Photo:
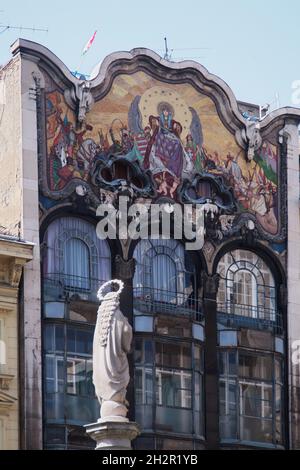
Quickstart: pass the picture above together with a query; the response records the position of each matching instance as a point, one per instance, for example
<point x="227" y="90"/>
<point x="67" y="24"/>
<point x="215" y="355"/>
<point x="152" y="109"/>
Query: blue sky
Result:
<point x="253" y="45"/>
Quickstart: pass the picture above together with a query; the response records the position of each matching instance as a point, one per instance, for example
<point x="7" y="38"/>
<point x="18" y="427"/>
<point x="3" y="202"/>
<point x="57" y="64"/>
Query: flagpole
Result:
<point x="85" y="50"/>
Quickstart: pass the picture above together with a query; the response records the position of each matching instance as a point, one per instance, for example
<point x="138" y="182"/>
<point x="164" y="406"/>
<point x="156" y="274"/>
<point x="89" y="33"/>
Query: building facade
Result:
<point x="13" y="256"/>
<point x="214" y="361"/>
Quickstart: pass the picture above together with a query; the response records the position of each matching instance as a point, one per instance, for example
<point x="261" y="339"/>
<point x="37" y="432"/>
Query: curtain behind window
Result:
<point x="71" y="245"/>
<point x="77" y="264"/>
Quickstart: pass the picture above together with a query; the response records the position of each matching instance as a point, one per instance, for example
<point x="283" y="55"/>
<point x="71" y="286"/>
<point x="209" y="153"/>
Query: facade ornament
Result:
<point x="252" y="139"/>
<point x="112" y="343"/>
<point x="124" y="269"/>
<point x="105" y="174"/>
<point x="208" y="250"/>
<point x="125" y="244"/>
<point x="15" y="272"/>
<point x="81" y="99"/>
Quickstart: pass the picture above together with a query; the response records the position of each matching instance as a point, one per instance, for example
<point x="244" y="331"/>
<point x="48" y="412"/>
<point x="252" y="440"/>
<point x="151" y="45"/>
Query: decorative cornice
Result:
<point x="124" y="269"/>
<point x="15" y="271"/>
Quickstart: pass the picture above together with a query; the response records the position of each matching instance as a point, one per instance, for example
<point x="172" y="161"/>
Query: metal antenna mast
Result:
<point x="5" y="27"/>
<point x="167" y="56"/>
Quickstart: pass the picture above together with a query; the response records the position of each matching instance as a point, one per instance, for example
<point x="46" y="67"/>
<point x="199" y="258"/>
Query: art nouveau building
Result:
<point x="213" y="363"/>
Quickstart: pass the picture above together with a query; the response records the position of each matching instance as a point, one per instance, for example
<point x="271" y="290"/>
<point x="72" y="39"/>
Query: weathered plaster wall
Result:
<point x="19" y="214"/>
<point x="31" y="367"/>
<point x="10" y="146"/>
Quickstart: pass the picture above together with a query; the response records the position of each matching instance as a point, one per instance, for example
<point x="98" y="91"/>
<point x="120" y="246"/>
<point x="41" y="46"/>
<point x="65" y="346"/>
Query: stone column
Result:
<point x="210" y="289"/>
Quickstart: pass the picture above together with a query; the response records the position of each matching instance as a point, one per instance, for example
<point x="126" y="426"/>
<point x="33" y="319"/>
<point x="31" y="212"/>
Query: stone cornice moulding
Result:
<point x="81" y="94"/>
<point x="16" y="249"/>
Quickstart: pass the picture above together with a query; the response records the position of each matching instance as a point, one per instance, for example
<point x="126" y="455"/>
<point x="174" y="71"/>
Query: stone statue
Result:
<point x="112" y="342"/>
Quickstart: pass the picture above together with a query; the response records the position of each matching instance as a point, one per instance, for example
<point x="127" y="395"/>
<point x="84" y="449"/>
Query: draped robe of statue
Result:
<point x="112" y="342"/>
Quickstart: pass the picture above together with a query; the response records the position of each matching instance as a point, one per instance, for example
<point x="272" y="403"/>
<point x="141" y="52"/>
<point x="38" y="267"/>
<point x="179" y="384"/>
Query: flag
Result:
<point x="89" y="43"/>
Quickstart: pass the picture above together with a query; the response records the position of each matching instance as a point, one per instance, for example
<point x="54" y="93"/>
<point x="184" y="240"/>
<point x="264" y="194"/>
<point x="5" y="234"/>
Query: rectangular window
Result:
<point x="174" y="388"/>
<point x="173" y="355"/>
<point x="250" y="402"/>
<point x="255" y="367"/>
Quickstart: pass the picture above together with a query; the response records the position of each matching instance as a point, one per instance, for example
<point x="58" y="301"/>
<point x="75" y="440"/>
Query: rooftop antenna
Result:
<point x="5" y="27"/>
<point x="167" y="55"/>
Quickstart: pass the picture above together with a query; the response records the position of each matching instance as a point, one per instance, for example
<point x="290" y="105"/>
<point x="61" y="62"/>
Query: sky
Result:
<point x="253" y="45"/>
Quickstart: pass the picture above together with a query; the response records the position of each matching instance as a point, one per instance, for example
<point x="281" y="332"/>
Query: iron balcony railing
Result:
<point x="62" y="287"/>
<point x="147" y="300"/>
<point x="250" y="316"/>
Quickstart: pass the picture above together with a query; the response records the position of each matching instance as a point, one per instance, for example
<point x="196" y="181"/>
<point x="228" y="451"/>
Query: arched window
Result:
<point x="75" y="258"/>
<point x="247" y="286"/>
<point x="164" y="271"/>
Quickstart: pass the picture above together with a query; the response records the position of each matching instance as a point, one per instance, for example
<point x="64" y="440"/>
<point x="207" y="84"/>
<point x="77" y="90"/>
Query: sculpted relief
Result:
<point x="169" y="132"/>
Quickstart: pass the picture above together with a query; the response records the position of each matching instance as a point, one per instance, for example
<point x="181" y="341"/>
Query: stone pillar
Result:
<point x="210" y="289"/>
<point x="113" y="435"/>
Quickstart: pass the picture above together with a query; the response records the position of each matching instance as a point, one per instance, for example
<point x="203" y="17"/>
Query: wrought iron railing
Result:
<point x="147" y="300"/>
<point x="251" y="316"/>
<point x="62" y="287"/>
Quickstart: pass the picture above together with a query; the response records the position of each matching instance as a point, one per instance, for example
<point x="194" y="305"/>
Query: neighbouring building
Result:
<point x="14" y="253"/>
<point x="214" y="362"/>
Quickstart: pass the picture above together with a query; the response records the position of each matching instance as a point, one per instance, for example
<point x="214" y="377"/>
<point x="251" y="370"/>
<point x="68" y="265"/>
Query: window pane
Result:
<point x="252" y="366"/>
<point x="232" y="365"/>
<point x="59" y="338"/>
<point x="164" y="277"/>
<point x="148" y="352"/>
<point x="49" y="338"/>
<point x="54" y="309"/>
<point x="138" y="351"/>
<point x="84" y="342"/>
<point x="71" y="340"/>
<point x="143" y="323"/>
<point x="255" y="429"/>
<point x="198" y="362"/>
<point x="278" y="370"/>
<point x="77" y="264"/>
<point x="172" y="326"/>
<point x="173" y="355"/>
<point x="50" y="374"/>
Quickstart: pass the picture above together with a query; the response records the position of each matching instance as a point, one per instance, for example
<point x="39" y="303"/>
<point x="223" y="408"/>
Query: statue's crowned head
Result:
<point x="109" y="303"/>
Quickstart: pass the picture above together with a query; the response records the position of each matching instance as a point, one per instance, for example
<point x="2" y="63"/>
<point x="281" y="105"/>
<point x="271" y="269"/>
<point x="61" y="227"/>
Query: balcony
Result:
<point x="58" y="287"/>
<point x="151" y="301"/>
<point x="249" y="316"/>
